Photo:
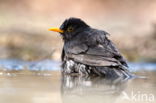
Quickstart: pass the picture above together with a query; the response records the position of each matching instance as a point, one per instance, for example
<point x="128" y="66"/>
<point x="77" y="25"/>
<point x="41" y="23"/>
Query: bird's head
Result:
<point x="70" y="28"/>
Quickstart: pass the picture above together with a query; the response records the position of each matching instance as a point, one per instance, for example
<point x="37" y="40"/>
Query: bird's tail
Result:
<point x="113" y="72"/>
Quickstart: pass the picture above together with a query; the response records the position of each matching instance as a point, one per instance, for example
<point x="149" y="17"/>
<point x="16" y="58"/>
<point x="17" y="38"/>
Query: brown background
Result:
<point x="24" y="26"/>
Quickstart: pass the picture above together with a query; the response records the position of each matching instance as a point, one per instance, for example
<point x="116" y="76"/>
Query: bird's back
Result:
<point x="91" y="53"/>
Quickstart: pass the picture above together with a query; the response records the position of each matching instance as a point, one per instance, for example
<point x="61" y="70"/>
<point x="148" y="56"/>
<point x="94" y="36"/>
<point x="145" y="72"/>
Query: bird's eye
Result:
<point x="70" y="29"/>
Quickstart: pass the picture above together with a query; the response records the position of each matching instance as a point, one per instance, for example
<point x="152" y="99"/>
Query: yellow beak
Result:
<point x="56" y="30"/>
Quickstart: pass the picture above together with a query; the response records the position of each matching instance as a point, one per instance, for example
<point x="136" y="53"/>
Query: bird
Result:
<point x="89" y="52"/>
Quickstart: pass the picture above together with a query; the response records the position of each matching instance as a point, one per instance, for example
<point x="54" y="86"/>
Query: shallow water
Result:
<point x="41" y="82"/>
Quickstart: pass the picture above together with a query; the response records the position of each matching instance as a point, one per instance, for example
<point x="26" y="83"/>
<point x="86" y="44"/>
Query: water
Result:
<point x="42" y="82"/>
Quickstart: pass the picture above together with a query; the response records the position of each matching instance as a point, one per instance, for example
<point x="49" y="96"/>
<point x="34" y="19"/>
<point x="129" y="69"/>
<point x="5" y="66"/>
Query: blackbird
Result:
<point x="88" y="51"/>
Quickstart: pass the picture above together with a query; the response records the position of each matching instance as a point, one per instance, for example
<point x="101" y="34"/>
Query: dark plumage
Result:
<point x="88" y="51"/>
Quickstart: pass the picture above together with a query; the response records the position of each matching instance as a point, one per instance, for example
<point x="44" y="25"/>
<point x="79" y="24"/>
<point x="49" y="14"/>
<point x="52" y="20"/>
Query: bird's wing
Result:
<point x="108" y="50"/>
<point x="97" y="50"/>
<point x="93" y="60"/>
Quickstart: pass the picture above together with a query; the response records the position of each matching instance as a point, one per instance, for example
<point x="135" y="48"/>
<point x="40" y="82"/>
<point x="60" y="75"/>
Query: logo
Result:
<point x="139" y="96"/>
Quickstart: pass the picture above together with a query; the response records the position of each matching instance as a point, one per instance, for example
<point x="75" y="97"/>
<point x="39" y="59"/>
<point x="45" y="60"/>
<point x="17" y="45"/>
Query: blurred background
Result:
<point x="30" y="54"/>
<point x="24" y="26"/>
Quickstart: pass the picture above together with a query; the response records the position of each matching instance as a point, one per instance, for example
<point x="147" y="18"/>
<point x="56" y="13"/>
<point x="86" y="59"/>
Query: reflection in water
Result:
<point x="25" y="87"/>
<point x="37" y="82"/>
<point x="91" y="89"/>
